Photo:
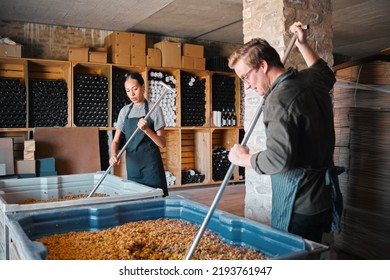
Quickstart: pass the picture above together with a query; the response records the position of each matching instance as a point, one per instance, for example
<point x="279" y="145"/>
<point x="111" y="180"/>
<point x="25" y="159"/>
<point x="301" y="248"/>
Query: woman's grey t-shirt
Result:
<point x="138" y="111"/>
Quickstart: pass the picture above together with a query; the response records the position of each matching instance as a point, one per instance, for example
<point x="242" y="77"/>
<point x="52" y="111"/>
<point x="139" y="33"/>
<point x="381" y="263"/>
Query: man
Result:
<point x="298" y="117"/>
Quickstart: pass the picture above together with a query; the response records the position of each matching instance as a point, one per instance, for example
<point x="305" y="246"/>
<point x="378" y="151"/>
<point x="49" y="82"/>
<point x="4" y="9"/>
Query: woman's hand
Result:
<point x="143" y="124"/>
<point x="114" y="160"/>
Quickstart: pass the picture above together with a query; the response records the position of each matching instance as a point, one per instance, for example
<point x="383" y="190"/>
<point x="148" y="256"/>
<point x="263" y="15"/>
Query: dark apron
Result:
<point x="143" y="159"/>
<point x="285" y="185"/>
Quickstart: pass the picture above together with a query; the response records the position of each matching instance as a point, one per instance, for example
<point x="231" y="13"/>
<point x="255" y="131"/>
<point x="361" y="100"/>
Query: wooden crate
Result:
<point x="53" y="70"/>
<point x="206" y="76"/>
<point x="171" y="154"/>
<point x="226" y="138"/>
<point x="238" y="98"/>
<point x="195" y="155"/>
<point x="171" y="73"/>
<point x="94" y="69"/>
<point x="13" y="68"/>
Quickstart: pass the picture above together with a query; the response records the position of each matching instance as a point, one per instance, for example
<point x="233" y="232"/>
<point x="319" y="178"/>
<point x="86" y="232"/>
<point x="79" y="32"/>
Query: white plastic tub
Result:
<point x="14" y="191"/>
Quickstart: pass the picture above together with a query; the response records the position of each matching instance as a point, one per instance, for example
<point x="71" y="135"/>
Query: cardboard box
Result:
<point x="7" y="155"/>
<point x="118" y="43"/>
<point x="28" y="155"/>
<point x="199" y="63"/>
<point x="99" y="57"/>
<point x="170" y="53"/>
<point x="13" y="191"/>
<point x="138" y="49"/>
<point x="119" y="38"/>
<point x="193" y="50"/>
<point x="153" y="58"/>
<point x="138" y="44"/>
<point x="120" y="49"/>
<point x="46" y="165"/>
<point x="29" y="145"/>
<point x="138" y="60"/>
<point x="25" y="167"/>
<point x="120" y="58"/>
<point x="78" y="54"/>
<point x="11" y="50"/>
<point x="187" y="62"/>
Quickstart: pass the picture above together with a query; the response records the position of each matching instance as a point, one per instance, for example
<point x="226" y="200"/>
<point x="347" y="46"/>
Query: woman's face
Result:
<point x="135" y="91"/>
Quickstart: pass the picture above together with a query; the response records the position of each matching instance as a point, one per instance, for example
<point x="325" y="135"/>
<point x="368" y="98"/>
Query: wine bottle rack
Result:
<point x="71" y="94"/>
<point x="13" y="103"/>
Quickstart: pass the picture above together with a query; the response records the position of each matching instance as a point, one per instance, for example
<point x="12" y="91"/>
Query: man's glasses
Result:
<point x="245" y="78"/>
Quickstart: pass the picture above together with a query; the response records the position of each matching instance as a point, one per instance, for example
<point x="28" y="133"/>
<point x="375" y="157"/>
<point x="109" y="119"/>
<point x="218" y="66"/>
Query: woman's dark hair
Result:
<point x="135" y="76"/>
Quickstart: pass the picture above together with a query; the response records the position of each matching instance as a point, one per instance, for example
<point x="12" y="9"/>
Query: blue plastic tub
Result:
<point x="235" y="230"/>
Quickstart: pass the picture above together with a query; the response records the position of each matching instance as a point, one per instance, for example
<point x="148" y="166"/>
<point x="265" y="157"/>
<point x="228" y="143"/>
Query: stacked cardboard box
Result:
<point x="27" y="167"/>
<point x="126" y="48"/>
<point x="193" y="57"/>
<point x="29" y="150"/>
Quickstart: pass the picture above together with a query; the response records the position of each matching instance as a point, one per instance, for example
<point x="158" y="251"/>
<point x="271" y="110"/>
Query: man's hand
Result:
<point x="239" y="155"/>
<point x="296" y="28"/>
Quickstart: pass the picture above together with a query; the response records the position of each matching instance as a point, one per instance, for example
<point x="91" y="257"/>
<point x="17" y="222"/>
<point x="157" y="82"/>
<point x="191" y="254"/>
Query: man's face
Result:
<point x="252" y="78"/>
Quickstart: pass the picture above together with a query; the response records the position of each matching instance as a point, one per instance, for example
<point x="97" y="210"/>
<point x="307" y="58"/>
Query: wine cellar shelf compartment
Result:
<point x="203" y="116"/>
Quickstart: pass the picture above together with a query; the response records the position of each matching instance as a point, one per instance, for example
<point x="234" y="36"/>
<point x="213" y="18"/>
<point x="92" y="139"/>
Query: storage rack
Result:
<point x="188" y="147"/>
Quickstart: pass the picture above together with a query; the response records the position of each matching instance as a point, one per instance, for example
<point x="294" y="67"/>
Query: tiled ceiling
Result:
<point x="361" y="27"/>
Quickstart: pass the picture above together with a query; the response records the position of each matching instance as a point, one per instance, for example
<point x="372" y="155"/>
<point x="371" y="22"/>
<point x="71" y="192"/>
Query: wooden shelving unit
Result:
<point x="188" y="147"/>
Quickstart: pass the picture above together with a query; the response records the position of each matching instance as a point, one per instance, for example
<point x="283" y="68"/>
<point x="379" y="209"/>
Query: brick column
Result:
<point x="270" y="19"/>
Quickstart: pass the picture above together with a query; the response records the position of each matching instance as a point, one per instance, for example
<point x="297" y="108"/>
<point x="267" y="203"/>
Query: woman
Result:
<point x="143" y="159"/>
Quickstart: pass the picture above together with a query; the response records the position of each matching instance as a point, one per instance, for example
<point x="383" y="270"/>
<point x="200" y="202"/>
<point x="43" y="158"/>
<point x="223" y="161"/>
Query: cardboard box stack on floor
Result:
<point x="27" y="167"/>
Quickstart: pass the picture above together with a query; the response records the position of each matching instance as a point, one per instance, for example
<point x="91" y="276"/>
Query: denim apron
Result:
<point x="143" y="159"/>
